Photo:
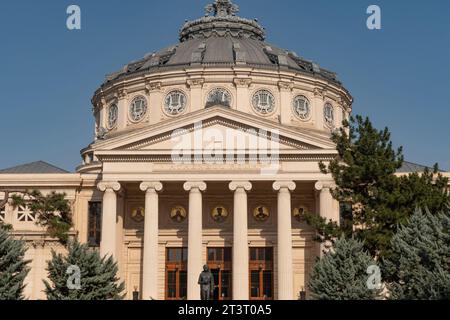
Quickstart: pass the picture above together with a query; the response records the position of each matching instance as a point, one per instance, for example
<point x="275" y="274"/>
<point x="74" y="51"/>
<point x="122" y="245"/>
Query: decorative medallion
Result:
<point x="328" y="114"/>
<point x="263" y="102"/>
<point x="219" y="214"/>
<point x="178" y="214"/>
<point x="261" y="213"/>
<point x="138" y="108"/>
<point x="175" y="103"/>
<point x="299" y="212"/>
<point x="302" y="108"/>
<point x="113" y="113"/>
<point x="138" y="214"/>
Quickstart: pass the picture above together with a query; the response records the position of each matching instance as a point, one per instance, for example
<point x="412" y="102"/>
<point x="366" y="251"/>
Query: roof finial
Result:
<point x="222" y="8"/>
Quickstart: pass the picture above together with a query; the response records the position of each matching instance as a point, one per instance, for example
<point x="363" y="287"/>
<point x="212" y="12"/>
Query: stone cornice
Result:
<point x="39" y="180"/>
<point x="160" y="79"/>
<point x="161" y="158"/>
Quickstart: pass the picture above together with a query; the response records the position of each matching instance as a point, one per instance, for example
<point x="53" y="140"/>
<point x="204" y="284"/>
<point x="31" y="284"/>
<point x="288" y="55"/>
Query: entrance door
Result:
<point x="219" y="262"/>
<point x="261" y="274"/>
<point x="176" y="273"/>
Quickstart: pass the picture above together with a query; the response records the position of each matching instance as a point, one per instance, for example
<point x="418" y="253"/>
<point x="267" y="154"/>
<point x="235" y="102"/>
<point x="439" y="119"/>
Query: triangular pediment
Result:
<point x="215" y="129"/>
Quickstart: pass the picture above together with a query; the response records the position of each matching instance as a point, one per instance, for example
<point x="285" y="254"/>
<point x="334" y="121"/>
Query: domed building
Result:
<point x="206" y="152"/>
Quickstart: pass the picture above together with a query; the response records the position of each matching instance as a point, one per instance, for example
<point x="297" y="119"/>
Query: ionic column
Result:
<point x="240" y="240"/>
<point x="109" y="216"/>
<point x="327" y="209"/>
<point x="151" y="233"/>
<point x="284" y="243"/>
<point x="195" y="231"/>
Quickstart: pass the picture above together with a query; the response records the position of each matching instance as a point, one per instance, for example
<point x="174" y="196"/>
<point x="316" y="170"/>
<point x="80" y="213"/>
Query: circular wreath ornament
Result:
<point x="328" y="114"/>
<point x="138" y="108"/>
<point x="263" y="102"/>
<point x="219" y="214"/>
<point x="299" y="213"/>
<point x="302" y="108"/>
<point x="138" y="214"/>
<point x="175" y="103"/>
<point x="178" y="214"/>
<point x="261" y="213"/>
<point x="113" y="114"/>
<point x="219" y="97"/>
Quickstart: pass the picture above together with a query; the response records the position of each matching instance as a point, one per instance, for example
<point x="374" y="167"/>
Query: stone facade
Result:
<point x="172" y="168"/>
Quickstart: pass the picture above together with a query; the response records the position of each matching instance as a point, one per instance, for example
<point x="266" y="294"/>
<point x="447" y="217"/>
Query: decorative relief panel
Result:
<point x="178" y="214"/>
<point x="24" y="214"/>
<point x="135" y="215"/>
<point x="299" y="212"/>
<point x="219" y="214"/>
<point x="138" y="214"/>
<point x="261" y="213"/>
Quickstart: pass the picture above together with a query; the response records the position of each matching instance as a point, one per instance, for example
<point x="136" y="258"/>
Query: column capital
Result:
<point x="188" y="186"/>
<point x="321" y="185"/>
<point x="246" y="185"/>
<point x="151" y="185"/>
<point x="278" y="185"/>
<point x="242" y="82"/>
<point x="108" y="185"/>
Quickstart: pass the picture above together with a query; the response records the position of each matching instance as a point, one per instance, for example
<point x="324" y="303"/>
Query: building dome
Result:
<point x="220" y="61"/>
<point x="221" y="39"/>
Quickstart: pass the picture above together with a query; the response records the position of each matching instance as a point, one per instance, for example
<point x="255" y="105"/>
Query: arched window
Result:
<point x="219" y="97"/>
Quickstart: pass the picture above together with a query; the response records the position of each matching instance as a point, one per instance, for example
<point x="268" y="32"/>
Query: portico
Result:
<point x="240" y="231"/>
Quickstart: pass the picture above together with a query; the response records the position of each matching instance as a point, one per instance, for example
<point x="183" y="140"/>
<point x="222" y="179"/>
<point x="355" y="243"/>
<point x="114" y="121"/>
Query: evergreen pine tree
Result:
<point x="380" y="201"/>
<point x="420" y="260"/>
<point x="98" y="276"/>
<point x="342" y="273"/>
<point x="13" y="267"/>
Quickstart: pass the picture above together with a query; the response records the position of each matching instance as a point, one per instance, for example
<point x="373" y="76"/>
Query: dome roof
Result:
<point x="222" y="39"/>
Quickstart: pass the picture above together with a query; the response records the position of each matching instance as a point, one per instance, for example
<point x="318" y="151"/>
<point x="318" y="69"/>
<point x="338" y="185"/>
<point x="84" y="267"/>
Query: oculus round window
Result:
<point x="138" y="109"/>
<point x="302" y="108"/>
<point x="175" y="103"/>
<point x="219" y="97"/>
<point x="113" y="112"/>
<point x="328" y="114"/>
<point x="263" y="102"/>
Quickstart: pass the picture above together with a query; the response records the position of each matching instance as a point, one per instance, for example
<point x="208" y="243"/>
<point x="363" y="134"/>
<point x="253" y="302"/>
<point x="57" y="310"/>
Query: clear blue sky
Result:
<point x="399" y="76"/>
